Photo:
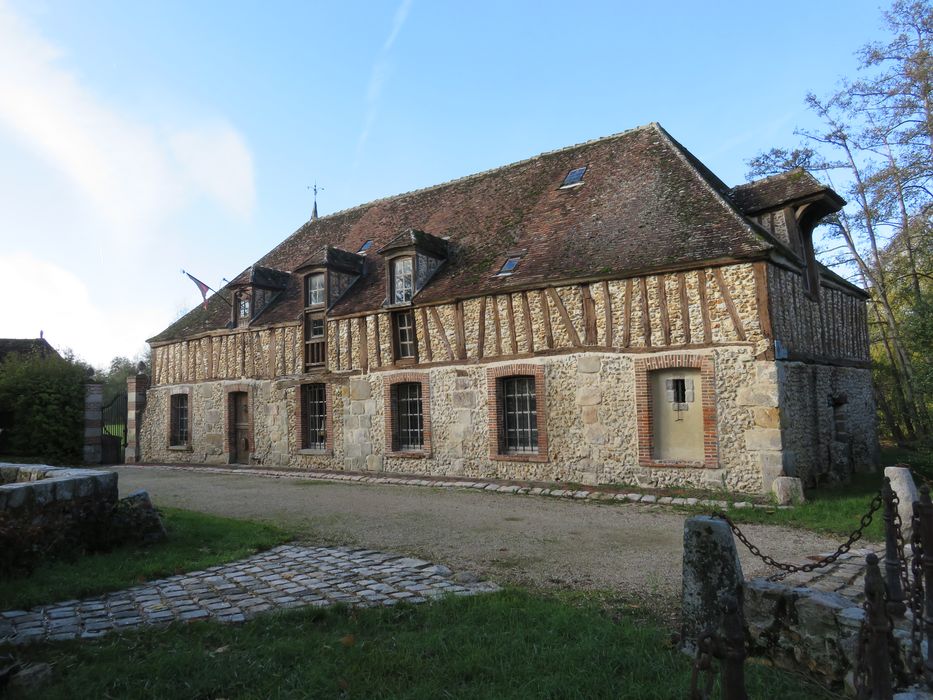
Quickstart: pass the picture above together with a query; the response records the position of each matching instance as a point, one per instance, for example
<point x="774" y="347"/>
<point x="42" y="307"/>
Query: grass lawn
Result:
<point x="511" y="644"/>
<point x="195" y="541"/>
<point x="837" y="510"/>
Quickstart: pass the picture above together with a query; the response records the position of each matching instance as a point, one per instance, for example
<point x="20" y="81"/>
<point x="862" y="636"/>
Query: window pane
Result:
<point x="405" y="334"/>
<point x="409" y="421"/>
<point x="519" y="413"/>
<point x="316" y="289"/>
<point x="315" y="342"/>
<point x="402" y="286"/>
<point x="179" y="420"/>
<point x="314" y="408"/>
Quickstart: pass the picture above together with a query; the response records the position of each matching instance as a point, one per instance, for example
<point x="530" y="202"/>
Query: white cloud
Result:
<point x="52" y="300"/>
<point x="100" y="207"/>
<point x="134" y="174"/>
<point x="379" y="77"/>
<point x="217" y="161"/>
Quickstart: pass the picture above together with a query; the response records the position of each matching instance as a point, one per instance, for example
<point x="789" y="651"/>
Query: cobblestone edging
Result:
<point x="605" y="495"/>
<point x="288" y="576"/>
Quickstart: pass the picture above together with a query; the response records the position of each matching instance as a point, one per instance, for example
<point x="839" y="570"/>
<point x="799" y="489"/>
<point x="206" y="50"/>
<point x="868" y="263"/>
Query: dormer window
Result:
<point x="402" y="281"/>
<point x="574" y="178"/>
<point x="243" y="308"/>
<point x="316" y="290"/>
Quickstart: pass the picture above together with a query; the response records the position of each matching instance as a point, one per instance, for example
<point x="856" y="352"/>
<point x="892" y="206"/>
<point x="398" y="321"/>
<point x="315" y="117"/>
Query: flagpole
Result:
<point x="184" y="272"/>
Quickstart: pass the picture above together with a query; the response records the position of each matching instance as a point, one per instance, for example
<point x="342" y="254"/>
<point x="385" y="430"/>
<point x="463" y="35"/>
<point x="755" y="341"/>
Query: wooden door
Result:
<point x="240" y="432"/>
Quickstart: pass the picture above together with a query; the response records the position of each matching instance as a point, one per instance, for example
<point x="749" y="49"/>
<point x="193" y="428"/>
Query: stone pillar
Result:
<point x="712" y="575"/>
<point x="135" y="403"/>
<point x="93" y="400"/>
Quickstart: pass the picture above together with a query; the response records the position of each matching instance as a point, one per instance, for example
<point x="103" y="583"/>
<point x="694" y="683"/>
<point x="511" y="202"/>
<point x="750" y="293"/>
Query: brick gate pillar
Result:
<point x="135" y="403"/>
<point x="93" y="400"/>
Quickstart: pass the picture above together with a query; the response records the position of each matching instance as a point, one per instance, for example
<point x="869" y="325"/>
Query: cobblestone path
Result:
<point x="284" y="577"/>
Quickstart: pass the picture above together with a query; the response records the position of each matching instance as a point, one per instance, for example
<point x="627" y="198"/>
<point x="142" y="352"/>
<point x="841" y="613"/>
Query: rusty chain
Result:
<point x="703" y="665"/>
<point x="786" y="568"/>
<point x="916" y="599"/>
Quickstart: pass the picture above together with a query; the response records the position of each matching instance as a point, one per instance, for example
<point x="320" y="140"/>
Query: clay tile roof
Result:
<point x="645" y="204"/>
<point x="777" y="190"/>
<point x="26" y="346"/>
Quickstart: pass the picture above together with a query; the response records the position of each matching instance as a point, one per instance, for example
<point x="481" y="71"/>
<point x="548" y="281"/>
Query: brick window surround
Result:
<point x="643" y="401"/>
<point x="400" y="378"/>
<point x="230" y="418"/>
<point x="185" y="447"/>
<point x="496" y="418"/>
<point x="300" y="426"/>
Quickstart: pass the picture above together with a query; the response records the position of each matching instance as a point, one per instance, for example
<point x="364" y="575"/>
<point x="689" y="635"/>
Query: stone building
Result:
<point x="606" y="313"/>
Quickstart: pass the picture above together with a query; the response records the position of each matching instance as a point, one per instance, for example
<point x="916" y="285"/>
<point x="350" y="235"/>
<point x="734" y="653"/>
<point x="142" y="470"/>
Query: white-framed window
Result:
<point x="316" y="294"/>
<point x="403" y="285"/>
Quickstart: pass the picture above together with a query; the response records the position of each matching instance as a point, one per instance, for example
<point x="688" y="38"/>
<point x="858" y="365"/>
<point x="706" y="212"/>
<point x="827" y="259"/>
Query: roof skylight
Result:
<point x="508" y="267"/>
<point x="366" y="246"/>
<point x="574" y="177"/>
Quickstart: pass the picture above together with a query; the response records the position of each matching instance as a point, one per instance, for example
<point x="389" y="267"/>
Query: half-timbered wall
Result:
<point x="831" y="327"/>
<point x="693" y="309"/>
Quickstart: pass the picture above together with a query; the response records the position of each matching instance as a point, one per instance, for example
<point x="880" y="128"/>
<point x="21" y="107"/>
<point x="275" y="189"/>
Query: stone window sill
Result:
<point x="673" y="464"/>
<point x="410" y="454"/>
<point x="520" y="457"/>
<point x="317" y="453"/>
<point x="180" y="448"/>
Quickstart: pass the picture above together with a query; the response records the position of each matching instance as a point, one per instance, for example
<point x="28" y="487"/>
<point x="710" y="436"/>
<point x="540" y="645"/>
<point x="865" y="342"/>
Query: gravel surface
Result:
<point x="632" y="549"/>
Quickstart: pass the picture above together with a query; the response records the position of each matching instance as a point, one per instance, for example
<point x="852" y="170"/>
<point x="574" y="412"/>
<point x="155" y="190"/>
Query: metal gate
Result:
<point x="113" y="431"/>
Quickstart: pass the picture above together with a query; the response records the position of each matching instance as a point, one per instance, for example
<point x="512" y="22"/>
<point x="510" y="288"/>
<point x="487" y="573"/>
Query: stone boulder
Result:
<point x="139" y="517"/>
<point x="787" y="490"/>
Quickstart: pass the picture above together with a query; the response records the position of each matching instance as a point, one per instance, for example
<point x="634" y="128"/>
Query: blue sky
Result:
<point x="137" y="139"/>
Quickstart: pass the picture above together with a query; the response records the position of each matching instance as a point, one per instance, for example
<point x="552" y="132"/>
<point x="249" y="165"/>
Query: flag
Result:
<point x="201" y="286"/>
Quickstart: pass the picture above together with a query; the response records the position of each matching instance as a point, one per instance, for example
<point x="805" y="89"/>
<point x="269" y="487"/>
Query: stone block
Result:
<point x="590" y="414"/>
<point x="787" y="490"/>
<point x="352" y="422"/>
<point x="43" y="492"/>
<point x="374" y="463"/>
<point x="357" y="408"/>
<point x="767" y="417"/>
<point x="589" y="364"/>
<point x="366" y="422"/>
<point x="65" y="489"/>
<point x="212" y="416"/>
<point x="463" y="399"/>
<point x="596" y="434"/>
<point x="360" y="390"/>
<point x="589" y="396"/>
<point x="757" y="396"/>
<point x="464" y="384"/>
<point x="763" y="439"/>
<point x="902" y="481"/>
<point x="712" y="574"/>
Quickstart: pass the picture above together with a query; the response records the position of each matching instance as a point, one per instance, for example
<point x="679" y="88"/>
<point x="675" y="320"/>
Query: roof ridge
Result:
<point x="481" y="173"/>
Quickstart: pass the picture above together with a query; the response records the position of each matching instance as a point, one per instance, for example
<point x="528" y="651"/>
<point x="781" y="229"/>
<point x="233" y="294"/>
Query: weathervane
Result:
<point x="315" y="189"/>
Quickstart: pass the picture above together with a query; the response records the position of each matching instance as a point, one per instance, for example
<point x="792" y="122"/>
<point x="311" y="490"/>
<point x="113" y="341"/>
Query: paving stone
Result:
<point x="284" y="577"/>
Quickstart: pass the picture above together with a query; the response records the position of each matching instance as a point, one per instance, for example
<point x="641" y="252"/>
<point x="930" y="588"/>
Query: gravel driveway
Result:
<point x="633" y="549"/>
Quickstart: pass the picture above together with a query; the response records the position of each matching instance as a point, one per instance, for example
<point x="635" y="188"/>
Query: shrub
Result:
<point x="42" y="408"/>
